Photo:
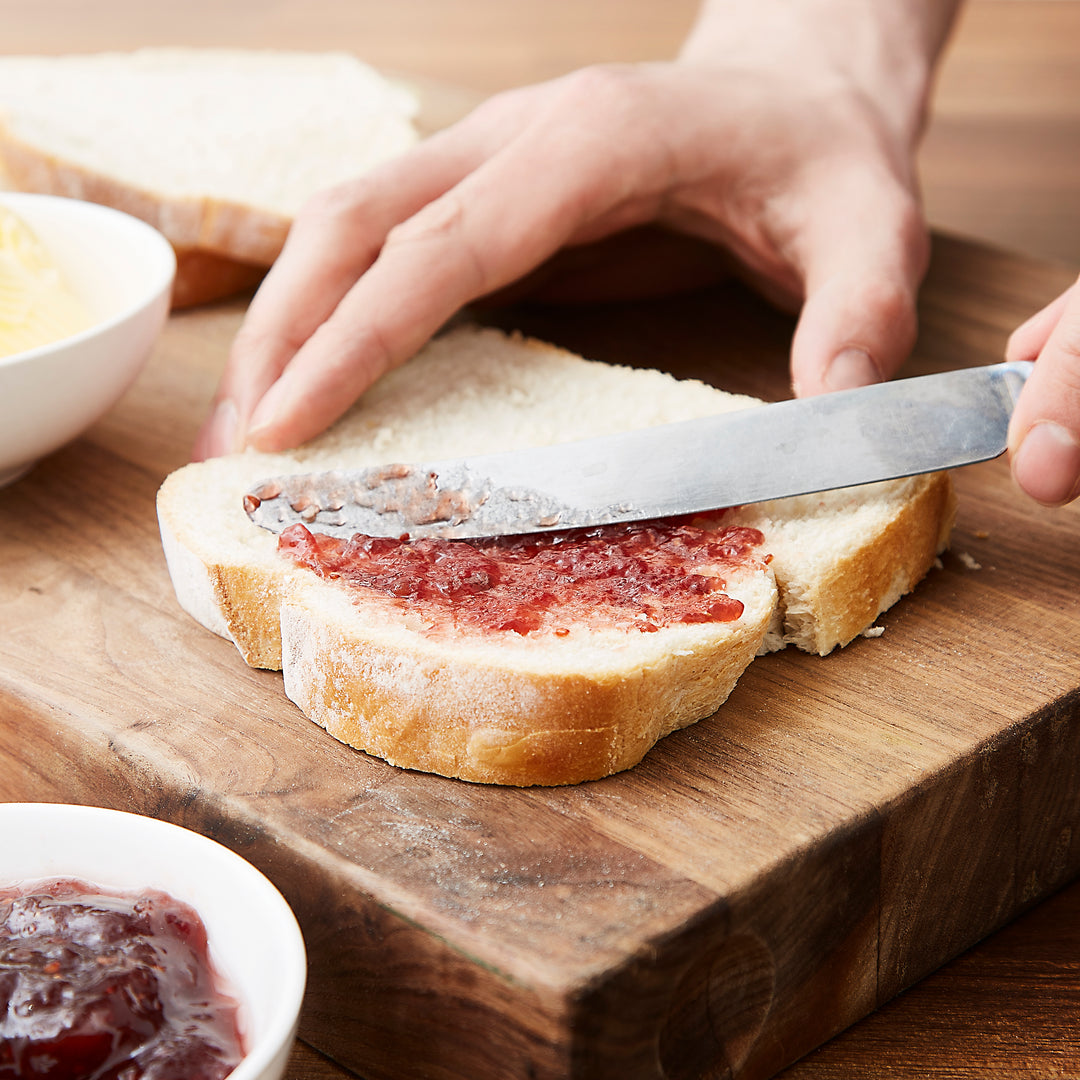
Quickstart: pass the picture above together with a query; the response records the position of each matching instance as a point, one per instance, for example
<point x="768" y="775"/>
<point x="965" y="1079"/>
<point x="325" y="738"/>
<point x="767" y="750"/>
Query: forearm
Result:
<point x="887" y="48"/>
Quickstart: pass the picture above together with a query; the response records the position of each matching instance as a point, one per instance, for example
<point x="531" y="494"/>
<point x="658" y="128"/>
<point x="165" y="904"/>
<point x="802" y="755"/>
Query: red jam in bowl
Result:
<point x="640" y="576"/>
<point x="108" y="986"/>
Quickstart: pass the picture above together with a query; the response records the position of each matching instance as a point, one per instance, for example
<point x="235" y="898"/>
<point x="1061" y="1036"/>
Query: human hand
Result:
<point x="765" y="137"/>
<point x="1044" y="435"/>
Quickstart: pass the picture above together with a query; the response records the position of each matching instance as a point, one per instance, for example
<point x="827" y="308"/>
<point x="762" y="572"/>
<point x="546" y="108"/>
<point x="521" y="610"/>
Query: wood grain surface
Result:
<point x="108" y="695"/>
<point x="760" y="882"/>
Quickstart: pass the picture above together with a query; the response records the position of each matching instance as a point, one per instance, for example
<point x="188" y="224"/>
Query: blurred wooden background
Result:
<point x="1001" y="160"/>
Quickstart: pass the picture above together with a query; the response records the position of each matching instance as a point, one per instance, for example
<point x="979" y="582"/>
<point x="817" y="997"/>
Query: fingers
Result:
<point x="333" y="241"/>
<point x="1028" y="339"/>
<point x="321" y="258"/>
<point x="510" y="213"/>
<point x="864" y="254"/>
<point x="1044" y="436"/>
<point x="330" y="245"/>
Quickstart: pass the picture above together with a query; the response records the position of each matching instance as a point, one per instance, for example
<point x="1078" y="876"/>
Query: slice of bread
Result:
<point x="843" y="557"/>
<point x="539" y="707"/>
<point x="217" y="148"/>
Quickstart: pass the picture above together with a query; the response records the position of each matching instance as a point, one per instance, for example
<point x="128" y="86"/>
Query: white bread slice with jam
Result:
<point x="216" y="148"/>
<point x="579" y="697"/>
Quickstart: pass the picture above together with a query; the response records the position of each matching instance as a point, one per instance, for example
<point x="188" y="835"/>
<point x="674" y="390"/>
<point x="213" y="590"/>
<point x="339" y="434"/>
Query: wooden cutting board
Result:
<point x="763" y="879"/>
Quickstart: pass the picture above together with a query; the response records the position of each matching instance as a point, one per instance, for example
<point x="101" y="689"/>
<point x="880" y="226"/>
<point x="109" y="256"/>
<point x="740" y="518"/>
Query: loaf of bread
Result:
<point x="217" y="148"/>
<point x="573" y="700"/>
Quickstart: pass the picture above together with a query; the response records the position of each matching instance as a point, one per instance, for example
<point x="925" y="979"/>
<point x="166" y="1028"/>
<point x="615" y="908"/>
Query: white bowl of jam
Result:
<point x="132" y="947"/>
<point x="84" y="293"/>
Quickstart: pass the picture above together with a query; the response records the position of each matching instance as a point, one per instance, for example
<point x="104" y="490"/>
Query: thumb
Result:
<point x="862" y="265"/>
<point x="1044" y="435"/>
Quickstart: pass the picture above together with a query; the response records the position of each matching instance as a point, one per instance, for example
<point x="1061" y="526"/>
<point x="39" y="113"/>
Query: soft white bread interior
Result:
<point x="533" y="708"/>
<point x="217" y="148"/>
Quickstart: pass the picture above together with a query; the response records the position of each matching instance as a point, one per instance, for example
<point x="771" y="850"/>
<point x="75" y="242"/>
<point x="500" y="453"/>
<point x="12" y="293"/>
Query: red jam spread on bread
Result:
<point x="103" y="986"/>
<point x="641" y="576"/>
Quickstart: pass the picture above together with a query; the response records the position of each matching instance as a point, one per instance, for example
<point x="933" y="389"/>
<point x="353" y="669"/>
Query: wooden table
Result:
<point x="109" y="694"/>
<point x="1009" y="1005"/>
<point x="836" y="832"/>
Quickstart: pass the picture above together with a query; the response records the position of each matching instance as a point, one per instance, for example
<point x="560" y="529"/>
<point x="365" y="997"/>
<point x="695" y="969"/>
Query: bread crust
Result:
<point x="871" y="581"/>
<point x="245" y="233"/>
<point x="204" y="276"/>
<point x="222" y="248"/>
<point x="489" y="715"/>
<point x="822" y="613"/>
<point x="237" y="600"/>
<point x="523" y="713"/>
<point x="216" y="148"/>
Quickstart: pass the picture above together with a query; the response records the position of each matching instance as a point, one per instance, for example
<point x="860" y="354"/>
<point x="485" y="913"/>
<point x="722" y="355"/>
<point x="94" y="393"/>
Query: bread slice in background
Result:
<point x="534" y="708"/>
<point x="217" y="148"/>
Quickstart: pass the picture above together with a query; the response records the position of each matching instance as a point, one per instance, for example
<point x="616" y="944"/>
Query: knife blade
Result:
<point x="797" y="447"/>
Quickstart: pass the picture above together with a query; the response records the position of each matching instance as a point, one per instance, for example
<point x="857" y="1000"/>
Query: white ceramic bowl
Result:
<point x="123" y="270"/>
<point x="254" y="940"/>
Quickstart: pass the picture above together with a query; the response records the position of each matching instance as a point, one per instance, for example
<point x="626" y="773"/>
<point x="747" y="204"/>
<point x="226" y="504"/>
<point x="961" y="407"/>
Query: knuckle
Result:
<point x="1069" y="340"/>
<point x="912" y="233"/>
<point x="1017" y="346"/>
<point x="498" y="108"/>
<point x="1061" y="372"/>
<point x="1053" y="392"/>
<point x="332" y="204"/>
<point x="440" y="232"/>
<point x="1070" y="368"/>
<point x="895" y="301"/>
<point x="891" y="302"/>
<point x="347" y="352"/>
<point x="260" y="342"/>
<point x="439" y="222"/>
<point x="610" y="127"/>
<point x="606" y="87"/>
<point x="1061" y="350"/>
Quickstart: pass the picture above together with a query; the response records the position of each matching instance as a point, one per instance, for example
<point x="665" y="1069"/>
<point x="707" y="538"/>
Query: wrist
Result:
<point x="884" y="51"/>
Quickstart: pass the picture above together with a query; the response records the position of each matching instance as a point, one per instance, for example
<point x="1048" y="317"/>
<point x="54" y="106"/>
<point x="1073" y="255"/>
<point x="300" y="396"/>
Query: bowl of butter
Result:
<point x="84" y="293"/>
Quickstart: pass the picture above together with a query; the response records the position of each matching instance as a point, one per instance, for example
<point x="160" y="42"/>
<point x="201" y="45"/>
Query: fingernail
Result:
<point x="221" y="431"/>
<point x="1047" y="463"/>
<point x="261" y="434"/>
<point x="257" y="439"/>
<point x="851" y="368"/>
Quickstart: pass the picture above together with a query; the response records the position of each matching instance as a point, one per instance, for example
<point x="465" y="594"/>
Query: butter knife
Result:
<point x="851" y="437"/>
